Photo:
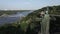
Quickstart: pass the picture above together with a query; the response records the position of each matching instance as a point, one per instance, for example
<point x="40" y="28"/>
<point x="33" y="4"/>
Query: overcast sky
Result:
<point x="26" y="4"/>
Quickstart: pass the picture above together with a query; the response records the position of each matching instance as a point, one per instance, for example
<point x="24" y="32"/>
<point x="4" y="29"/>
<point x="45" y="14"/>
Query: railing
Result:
<point x="54" y="15"/>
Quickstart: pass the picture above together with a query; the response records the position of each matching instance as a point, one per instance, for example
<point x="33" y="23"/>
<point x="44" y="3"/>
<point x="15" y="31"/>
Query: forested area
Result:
<point x="29" y="25"/>
<point x="9" y="12"/>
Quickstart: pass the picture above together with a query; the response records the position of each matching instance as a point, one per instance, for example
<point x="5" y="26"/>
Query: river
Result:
<point x="12" y="18"/>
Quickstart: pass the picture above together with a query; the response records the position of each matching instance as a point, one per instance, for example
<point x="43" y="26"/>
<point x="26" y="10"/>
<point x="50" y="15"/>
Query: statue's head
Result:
<point x="46" y="12"/>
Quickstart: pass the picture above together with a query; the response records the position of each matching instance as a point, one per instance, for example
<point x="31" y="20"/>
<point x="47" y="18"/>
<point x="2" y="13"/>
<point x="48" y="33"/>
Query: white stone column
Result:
<point x="45" y="24"/>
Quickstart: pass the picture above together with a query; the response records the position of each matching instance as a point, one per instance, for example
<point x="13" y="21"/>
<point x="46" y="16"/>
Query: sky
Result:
<point x="26" y="4"/>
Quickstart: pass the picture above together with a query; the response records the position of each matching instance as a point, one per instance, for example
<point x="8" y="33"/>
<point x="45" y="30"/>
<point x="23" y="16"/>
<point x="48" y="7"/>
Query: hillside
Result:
<point x="29" y="24"/>
<point x="31" y="17"/>
<point x="52" y="10"/>
<point x="11" y="11"/>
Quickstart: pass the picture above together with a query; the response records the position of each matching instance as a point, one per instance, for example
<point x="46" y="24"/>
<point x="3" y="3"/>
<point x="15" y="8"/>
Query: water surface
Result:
<point x="14" y="17"/>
